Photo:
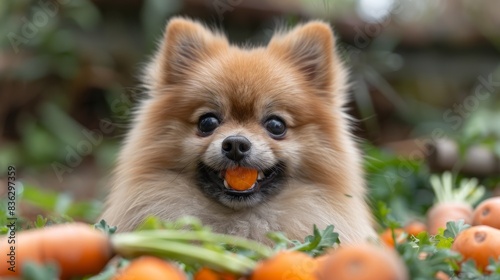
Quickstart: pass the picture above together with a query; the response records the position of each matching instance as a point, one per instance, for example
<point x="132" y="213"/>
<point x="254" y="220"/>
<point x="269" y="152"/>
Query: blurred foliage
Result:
<point x="153" y="16"/>
<point x="482" y="128"/>
<point x="48" y="32"/>
<point x="57" y="207"/>
<point x="50" y="51"/>
<point x="401" y="184"/>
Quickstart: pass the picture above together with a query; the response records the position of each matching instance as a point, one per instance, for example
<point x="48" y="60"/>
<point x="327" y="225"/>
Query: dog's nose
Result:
<point x="236" y="147"/>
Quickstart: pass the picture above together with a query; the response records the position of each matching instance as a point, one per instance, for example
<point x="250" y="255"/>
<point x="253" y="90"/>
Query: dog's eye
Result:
<point x="207" y="124"/>
<point x="276" y="127"/>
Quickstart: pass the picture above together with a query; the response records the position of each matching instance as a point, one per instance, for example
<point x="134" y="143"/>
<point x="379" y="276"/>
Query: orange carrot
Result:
<point x="76" y="248"/>
<point x="147" y="267"/>
<point x="479" y="243"/>
<point x="208" y="274"/>
<point x="412" y="228"/>
<point x="387" y="237"/>
<point x="488" y="213"/>
<point x="452" y="203"/>
<point x="415" y="227"/>
<point x="362" y="262"/>
<point x="441" y="213"/>
<point x="286" y="265"/>
<point x="321" y="260"/>
<point x="442" y="276"/>
<point x="241" y="178"/>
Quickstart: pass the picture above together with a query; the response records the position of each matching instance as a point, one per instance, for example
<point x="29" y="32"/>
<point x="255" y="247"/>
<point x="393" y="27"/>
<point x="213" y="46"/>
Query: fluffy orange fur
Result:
<point x="297" y="76"/>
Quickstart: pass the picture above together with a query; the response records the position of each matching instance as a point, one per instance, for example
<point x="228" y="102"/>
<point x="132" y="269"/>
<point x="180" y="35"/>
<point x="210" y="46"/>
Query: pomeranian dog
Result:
<point x="275" y="111"/>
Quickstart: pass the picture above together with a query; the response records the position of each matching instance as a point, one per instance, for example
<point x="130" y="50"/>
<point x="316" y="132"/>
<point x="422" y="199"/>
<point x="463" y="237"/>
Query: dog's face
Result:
<point x="215" y="107"/>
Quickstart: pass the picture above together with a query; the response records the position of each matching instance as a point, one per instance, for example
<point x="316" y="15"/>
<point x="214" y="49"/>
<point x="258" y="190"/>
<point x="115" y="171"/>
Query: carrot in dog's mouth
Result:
<point x="241" y="178"/>
<point x="240" y="181"/>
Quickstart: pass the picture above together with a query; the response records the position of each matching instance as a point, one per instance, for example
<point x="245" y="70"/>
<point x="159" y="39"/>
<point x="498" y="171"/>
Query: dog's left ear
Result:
<point x="310" y="48"/>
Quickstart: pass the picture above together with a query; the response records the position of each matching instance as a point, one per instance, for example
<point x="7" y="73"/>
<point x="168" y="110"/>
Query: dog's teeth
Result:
<point x="260" y="176"/>
<point x="226" y="185"/>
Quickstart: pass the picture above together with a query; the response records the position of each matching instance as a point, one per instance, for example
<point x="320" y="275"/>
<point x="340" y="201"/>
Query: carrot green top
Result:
<point x="468" y="191"/>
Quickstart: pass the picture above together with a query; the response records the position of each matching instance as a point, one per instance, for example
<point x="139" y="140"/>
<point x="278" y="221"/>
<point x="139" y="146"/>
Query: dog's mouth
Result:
<point x="247" y="191"/>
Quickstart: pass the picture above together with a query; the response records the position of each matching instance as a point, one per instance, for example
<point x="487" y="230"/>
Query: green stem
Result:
<point x="182" y="235"/>
<point x="468" y="191"/>
<point x="135" y="244"/>
<point x="304" y="247"/>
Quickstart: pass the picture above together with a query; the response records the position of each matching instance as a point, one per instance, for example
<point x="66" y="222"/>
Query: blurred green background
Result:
<point x="425" y="81"/>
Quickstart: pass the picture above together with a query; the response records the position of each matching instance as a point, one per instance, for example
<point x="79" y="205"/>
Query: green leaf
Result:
<point x="443" y="242"/>
<point x="470" y="271"/>
<point x="319" y="242"/>
<point x="45" y="200"/>
<point x="60" y="203"/>
<point x="383" y="210"/>
<point x="104" y="227"/>
<point x="494" y="266"/>
<point x="280" y="241"/>
<point x="110" y="271"/>
<point x="424" y="268"/>
<point x="186" y="222"/>
<point x="454" y="228"/>
<point x="40" y="221"/>
<point x="150" y="223"/>
<point x="393" y="224"/>
<point x="34" y="271"/>
<point x="423" y="239"/>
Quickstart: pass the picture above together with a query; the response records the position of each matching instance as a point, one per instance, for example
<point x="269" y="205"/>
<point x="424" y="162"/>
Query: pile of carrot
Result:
<point x="80" y="250"/>
<point x="76" y="248"/>
<point x="87" y="251"/>
<point x="452" y="204"/>
<point x="162" y="252"/>
<point x="481" y="242"/>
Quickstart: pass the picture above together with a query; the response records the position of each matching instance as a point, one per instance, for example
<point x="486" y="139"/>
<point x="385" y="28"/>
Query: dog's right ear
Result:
<point x="310" y="48"/>
<point x="184" y="44"/>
